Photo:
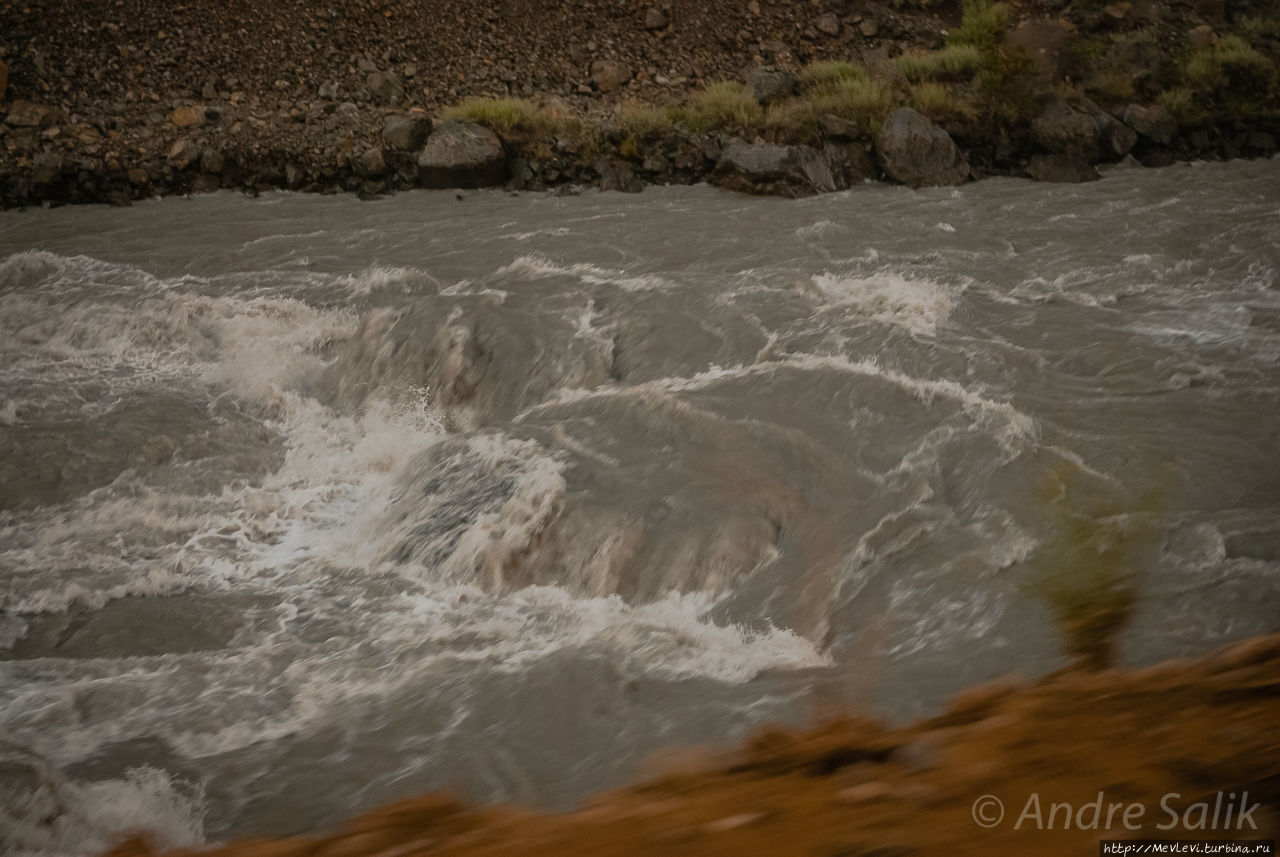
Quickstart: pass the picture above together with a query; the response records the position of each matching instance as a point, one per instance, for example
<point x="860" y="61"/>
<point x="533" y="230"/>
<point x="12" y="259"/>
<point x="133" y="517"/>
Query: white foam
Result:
<point x="920" y="306"/>
<point x="68" y="818"/>
<point x="537" y="265"/>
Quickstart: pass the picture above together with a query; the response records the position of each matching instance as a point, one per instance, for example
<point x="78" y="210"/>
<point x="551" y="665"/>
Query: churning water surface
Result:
<point x="308" y="504"/>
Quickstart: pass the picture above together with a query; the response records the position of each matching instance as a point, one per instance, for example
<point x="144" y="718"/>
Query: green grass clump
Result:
<point x="951" y="63"/>
<point x="1260" y="27"/>
<point x="1184" y="105"/>
<point x="863" y="101"/>
<point x="643" y="121"/>
<point x="1235" y="75"/>
<point x="503" y="116"/>
<point x="827" y="75"/>
<point x="982" y="25"/>
<point x="724" y="106"/>
<point x="939" y="103"/>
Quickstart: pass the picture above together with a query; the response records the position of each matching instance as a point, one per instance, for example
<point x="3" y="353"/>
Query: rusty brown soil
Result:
<point x="1179" y="740"/>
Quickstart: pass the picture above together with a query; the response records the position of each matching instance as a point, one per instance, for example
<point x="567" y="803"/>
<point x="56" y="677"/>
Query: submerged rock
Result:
<point x="1061" y="168"/>
<point x="918" y="153"/>
<point x="461" y="154"/>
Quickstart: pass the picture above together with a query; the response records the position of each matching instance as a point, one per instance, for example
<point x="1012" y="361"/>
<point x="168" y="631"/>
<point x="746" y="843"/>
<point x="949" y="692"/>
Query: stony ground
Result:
<point x="137" y="98"/>
<point x="1166" y="740"/>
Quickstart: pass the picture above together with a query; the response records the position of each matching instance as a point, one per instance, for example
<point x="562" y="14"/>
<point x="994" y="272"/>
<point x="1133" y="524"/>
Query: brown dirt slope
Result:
<point x="1165" y="739"/>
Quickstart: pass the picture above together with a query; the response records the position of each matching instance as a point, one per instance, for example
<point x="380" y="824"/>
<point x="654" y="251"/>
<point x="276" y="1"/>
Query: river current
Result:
<point x="308" y="504"/>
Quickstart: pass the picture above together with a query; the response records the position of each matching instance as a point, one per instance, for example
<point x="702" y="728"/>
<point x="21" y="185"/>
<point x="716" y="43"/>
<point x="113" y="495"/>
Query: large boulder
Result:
<point x="1066" y="169"/>
<point x="1153" y="122"/>
<point x="1064" y="130"/>
<point x="918" y="153"/>
<point x="187" y="117"/>
<point x="1115" y="139"/>
<point x="769" y="85"/>
<point x="406" y="133"/>
<point x="384" y="87"/>
<point x="776" y="170"/>
<point x="461" y="154"/>
<point x="25" y="114"/>
<point x="610" y="75"/>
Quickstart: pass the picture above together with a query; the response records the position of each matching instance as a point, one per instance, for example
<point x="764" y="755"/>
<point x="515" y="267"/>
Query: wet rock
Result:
<point x="1062" y="168"/>
<point x="406" y="133"/>
<point x="610" y="75"/>
<point x="384" y="87"/>
<point x="1153" y="122"/>
<point x="293" y="176"/>
<point x="27" y="114"/>
<point x="768" y="84"/>
<point x="617" y="175"/>
<point x="138" y="176"/>
<point x="461" y="154"/>
<point x="655" y="19"/>
<point x="212" y="161"/>
<point x="45" y="167"/>
<point x="1115" y="139"/>
<point x="774" y="170"/>
<point x="1066" y="131"/>
<point x="187" y="117"/>
<point x="183" y="154"/>
<point x="828" y="24"/>
<point x="4" y="79"/>
<point x="918" y="153"/>
<point x="371" y="164"/>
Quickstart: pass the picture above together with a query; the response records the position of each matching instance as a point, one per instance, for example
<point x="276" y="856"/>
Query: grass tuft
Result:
<point x="643" y="121"/>
<point x="828" y="75"/>
<point x="953" y="62"/>
<point x="723" y="106"/>
<point x="862" y="101"/>
<point x="939" y="103"/>
<point x="1184" y="105"/>
<point x="982" y="25"/>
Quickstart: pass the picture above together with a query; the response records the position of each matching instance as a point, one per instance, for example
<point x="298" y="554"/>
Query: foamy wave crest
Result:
<point x="920" y="306"/>
<point x="55" y="816"/>
<point x="537" y="265"/>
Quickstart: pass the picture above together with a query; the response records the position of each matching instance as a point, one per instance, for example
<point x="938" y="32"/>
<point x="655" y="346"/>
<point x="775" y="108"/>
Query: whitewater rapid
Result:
<point x="310" y="504"/>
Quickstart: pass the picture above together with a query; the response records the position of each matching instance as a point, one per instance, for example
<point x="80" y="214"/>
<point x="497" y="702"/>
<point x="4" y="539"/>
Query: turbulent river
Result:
<point x="308" y="504"/>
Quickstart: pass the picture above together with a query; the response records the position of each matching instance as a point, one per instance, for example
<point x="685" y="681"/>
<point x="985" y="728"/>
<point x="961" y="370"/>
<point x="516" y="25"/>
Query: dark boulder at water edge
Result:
<point x="461" y="154"/>
<point x="780" y="170"/>
<point x="918" y="153"/>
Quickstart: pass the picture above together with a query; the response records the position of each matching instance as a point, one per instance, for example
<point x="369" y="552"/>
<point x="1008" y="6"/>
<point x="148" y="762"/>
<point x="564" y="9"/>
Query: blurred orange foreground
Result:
<point x="1183" y="748"/>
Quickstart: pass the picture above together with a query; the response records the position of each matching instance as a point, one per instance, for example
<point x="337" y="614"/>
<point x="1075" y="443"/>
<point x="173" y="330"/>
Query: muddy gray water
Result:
<point x="307" y="504"/>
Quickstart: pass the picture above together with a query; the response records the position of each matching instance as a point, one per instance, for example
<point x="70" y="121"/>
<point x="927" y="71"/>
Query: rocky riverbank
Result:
<point x="1153" y="754"/>
<point x="117" y="100"/>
